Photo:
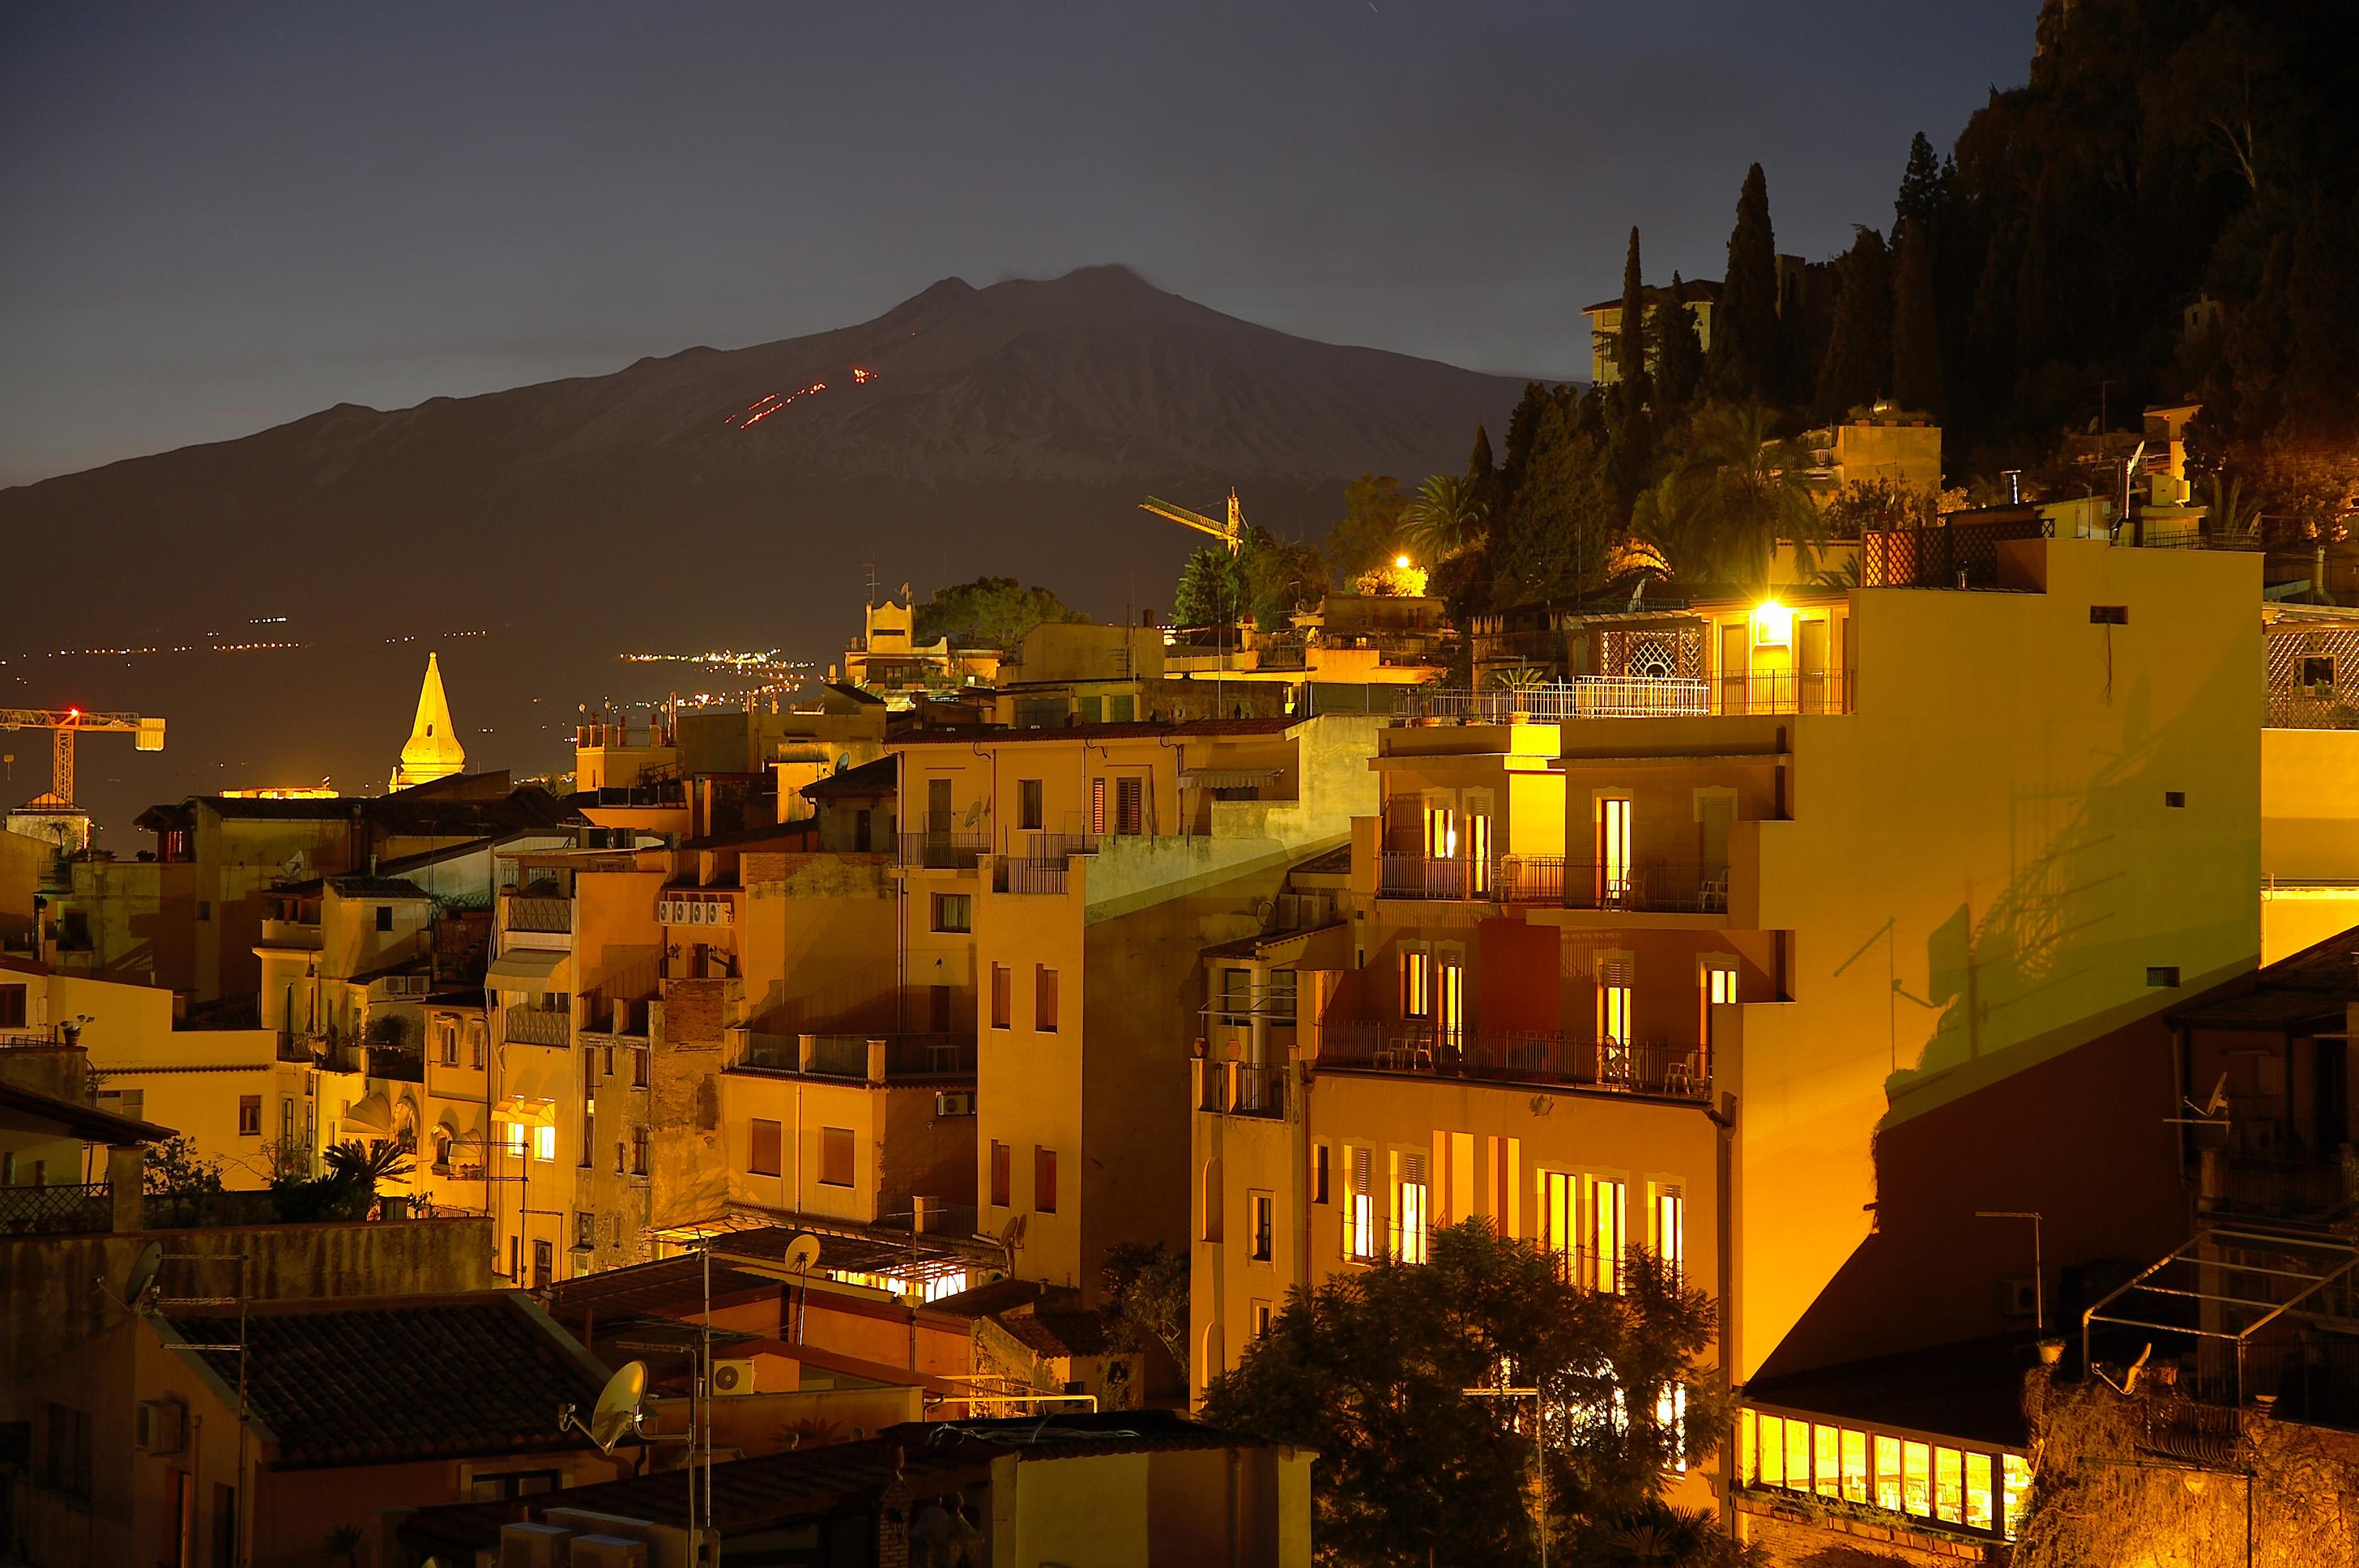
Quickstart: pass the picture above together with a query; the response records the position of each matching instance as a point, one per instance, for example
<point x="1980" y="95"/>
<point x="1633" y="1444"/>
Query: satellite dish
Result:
<point x="617" y="1413"/>
<point x="141" y="1280"/>
<point x="802" y="1253"/>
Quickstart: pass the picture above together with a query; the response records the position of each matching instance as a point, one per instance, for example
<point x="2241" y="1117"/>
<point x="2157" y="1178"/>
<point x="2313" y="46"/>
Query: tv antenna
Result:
<point x="619" y="1412"/>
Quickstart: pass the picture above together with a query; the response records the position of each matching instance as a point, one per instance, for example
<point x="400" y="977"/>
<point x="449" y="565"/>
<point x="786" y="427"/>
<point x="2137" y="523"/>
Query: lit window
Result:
<point x="1949" y="1486"/>
<point x="1561" y="1220"/>
<point x="1608" y="1205"/>
<point x="1441" y="833"/>
<point x="1978" y="1491"/>
<point x="1826" y="1448"/>
<point x="1916" y="1479"/>
<point x="544" y="1143"/>
<point x="1417" y="983"/>
<point x="1612" y="849"/>
<point x="1672" y="1416"/>
<point x="1747" y="1435"/>
<point x="1410" y="1198"/>
<point x="1887" y="1474"/>
<point x="512" y="1134"/>
<point x="2015" y="1471"/>
<point x="1670" y="1231"/>
<point x="1359" y="1205"/>
<point x="1773" y="1451"/>
<point x="1798" y="1455"/>
<point x="1854" y="1467"/>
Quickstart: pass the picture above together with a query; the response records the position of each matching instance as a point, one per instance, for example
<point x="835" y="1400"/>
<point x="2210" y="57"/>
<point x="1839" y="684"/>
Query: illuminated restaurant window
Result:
<point x="1887" y="1472"/>
<point x="1825" y="1445"/>
<point x="1747" y="1435"/>
<point x="1916" y="1479"/>
<point x="1854" y="1467"/>
<point x="2015" y="1471"/>
<point x="1978" y="1491"/>
<point x="1798" y="1455"/>
<point x="1949" y="1486"/>
<point x="1773" y="1451"/>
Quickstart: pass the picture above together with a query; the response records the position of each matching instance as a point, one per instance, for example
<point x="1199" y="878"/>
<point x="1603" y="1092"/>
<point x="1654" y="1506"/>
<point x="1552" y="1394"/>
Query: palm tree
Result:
<point x="1738" y="490"/>
<point x="1446" y="519"/>
<point x="2232" y="517"/>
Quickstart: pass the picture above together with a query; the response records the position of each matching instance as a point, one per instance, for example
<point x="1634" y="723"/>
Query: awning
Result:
<point x="370" y="1113"/>
<point x="523" y="969"/>
<point x="1226" y="778"/>
<point x="524" y="1104"/>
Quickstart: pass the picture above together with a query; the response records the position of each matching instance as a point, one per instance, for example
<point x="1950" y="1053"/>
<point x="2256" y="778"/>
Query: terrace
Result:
<point x="855" y="1058"/>
<point x="1417" y="1048"/>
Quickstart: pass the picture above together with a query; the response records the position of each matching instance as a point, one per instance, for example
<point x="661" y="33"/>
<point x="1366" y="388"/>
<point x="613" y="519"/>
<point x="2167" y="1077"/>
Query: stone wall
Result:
<point x="1791" y="1534"/>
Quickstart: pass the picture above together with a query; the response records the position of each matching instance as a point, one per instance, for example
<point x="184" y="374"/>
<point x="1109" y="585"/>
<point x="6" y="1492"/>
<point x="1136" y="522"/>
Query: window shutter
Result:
<point x="1413" y="1169"/>
<point x="1361" y="1180"/>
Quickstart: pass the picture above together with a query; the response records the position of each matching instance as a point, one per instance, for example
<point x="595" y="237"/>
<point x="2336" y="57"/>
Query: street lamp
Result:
<point x="1539" y="1450"/>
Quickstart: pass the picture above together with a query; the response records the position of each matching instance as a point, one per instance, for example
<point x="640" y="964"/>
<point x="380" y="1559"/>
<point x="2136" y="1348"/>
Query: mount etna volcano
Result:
<point x="712" y="497"/>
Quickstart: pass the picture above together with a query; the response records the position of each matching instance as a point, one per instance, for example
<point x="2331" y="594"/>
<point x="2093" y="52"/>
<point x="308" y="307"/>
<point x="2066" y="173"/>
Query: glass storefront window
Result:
<point x="1887" y="1472"/>
<point x="1746" y="1435"/>
<point x="2015" y="1471"/>
<point x="1916" y="1479"/>
<point x="1798" y="1455"/>
<point x="1949" y="1486"/>
<point x="1825" y="1443"/>
<point x="1854" y="1467"/>
<point x="1978" y="1491"/>
<point x="1773" y="1451"/>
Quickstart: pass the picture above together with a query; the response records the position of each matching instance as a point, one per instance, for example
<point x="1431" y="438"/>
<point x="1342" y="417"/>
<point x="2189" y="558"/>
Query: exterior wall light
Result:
<point x="1773" y="624"/>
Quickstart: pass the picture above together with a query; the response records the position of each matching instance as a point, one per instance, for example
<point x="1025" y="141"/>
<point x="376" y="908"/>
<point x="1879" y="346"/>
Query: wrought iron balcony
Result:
<point x="1648" y="1067"/>
<point x="1646" y="885"/>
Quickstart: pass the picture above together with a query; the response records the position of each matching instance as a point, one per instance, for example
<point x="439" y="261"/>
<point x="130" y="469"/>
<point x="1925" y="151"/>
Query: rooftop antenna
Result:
<point x="617" y="1413"/>
<point x="802" y="1256"/>
<point x="138" y="1282"/>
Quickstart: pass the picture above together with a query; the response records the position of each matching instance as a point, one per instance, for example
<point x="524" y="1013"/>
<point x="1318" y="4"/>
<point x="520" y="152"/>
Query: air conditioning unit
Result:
<point x="160" y="1422"/>
<point x="955" y="1102"/>
<point x="2022" y="1297"/>
<point x="533" y="1545"/>
<point x="733" y="1378"/>
<point x="608" y="1552"/>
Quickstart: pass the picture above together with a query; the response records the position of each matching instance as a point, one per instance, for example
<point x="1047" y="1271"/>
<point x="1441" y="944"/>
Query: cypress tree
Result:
<point x="1744" y="338"/>
<point x="1920" y="187"/>
<point x="1916" y="324"/>
<point x="1631" y="352"/>
<point x="1522" y="426"/>
<point x="1679" y="350"/>
<point x="1858" y="365"/>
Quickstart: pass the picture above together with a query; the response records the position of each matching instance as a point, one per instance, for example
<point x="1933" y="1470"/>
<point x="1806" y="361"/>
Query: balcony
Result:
<point x="400" y="1064"/>
<point x="1029" y="876"/>
<point x="81" y="1208"/>
<point x="1645" y="1068"/>
<point x="1648" y="885"/>
<point x="538" y="1026"/>
<point x="294" y="936"/>
<point x="1242" y="1088"/>
<point x="858" y="1058"/>
<point x="943" y="852"/>
<point x="2301" y="1190"/>
<point x="1774" y="693"/>
<point x="543" y="914"/>
<point x="2312" y="708"/>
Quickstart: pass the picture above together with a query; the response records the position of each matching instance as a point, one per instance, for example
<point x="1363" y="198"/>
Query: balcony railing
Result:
<point x="1029" y="876"/>
<point x="850" y="1057"/>
<point x="2286" y="1189"/>
<point x="402" y="1063"/>
<point x="1648" y="1067"/>
<point x="1647" y="885"/>
<point x="944" y="851"/>
<point x="552" y="916"/>
<point x="2313" y="710"/>
<point x="539" y="1026"/>
<point x="1635" y="697"/>
<point x="78" y="1208"/>
<point x="1242" y="1088"/>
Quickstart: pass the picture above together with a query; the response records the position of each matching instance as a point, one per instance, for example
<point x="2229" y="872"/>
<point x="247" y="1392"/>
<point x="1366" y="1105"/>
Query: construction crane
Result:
<point x="1233" y="533"/>
<point x="64" y="724"/>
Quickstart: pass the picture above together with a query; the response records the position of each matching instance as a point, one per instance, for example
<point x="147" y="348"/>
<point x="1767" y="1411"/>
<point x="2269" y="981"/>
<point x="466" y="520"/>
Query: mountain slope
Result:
<point x="966" y="429"/>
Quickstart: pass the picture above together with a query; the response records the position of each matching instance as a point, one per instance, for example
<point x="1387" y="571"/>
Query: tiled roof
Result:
<point x="360" y="884"/>
<point x="880" y="777"/>
<point x="30" y="1110"/>
<point x="749" y="1495"/>
<point x="2300" y="990"/>
<point x="1334" y="862"/>
<point x="1059" y="1334"/>
<point x="672" y="1287"/>
<point x="375" y="1382"/>
<point x="965" y="735"/>
<point x="998" y="1296"/>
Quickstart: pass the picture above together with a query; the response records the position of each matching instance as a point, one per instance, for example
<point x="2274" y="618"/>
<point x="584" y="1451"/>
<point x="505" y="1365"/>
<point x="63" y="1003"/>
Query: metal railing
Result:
<point x="550" y="916"/>
<point x="1648" y="1067"/>
<point x="1647" y="885"/>
<point x="1635" y="697"/>
<point x="402" y="1063"/>
<point x="1029" y="876"/>
<point x="538" y="1026"/>
<point x="944" y="851"/>
<point x="26" y="1040"/>
<point x="847" y="1056"/>
<point x="74" y="1208"/>
<point x="1259" y="1089"/>
<point x="2286" y="1189"/>
<point x="2294" y="710"/>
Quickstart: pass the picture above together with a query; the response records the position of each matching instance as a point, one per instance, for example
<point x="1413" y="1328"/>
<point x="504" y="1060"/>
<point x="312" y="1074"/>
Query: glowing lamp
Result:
<point x="1401" y="561"/>
<point x="1773" y="624"/>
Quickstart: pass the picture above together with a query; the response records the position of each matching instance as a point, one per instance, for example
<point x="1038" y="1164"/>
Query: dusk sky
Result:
<point x="224" y="217"/>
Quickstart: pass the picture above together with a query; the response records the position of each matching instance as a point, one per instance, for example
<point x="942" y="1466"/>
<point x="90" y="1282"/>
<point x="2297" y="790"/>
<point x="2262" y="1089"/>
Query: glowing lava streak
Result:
<point x="754" y="419"/>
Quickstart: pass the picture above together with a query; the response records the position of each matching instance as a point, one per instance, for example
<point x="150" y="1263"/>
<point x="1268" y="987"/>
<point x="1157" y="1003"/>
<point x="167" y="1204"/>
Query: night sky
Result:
<point x="221" y="217"/>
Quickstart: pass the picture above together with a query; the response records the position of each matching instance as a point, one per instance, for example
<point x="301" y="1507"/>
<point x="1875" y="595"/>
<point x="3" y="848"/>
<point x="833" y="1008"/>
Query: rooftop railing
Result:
<point x="71" y="1209"/>
<point x="1633" y="697"/>
<point x="1649" y="1067"/>
<point x="851" y="1057"/>
<point x="1650" y="885"/>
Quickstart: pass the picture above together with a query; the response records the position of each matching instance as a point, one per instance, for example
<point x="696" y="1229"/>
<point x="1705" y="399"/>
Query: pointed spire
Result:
<point x="432" y="750"/>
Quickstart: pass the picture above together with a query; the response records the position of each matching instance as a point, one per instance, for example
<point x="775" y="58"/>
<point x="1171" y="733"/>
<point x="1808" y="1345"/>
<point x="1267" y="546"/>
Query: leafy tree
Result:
<point x="989" y="612"/>
<point x="1557" y="540"/>
<point x="1370" y="531"/>
<point x="1737" y="491"/>
<point x="181" y="1180"/>
<point x="1145" y="1287"/>
<point x="1371" y="1369"/>
<point x="1523" y="424"/>
<point x="1211" y="591"/>
<point x="1745" y="332"/>
<point x="1448" y="518"/>
<point x="1858" y="365"/>
<point x="1679" y="350"/>
<point x="1915" y="327"/>
<point x="1280" y="576"/>
<point x="348" y="1189"/>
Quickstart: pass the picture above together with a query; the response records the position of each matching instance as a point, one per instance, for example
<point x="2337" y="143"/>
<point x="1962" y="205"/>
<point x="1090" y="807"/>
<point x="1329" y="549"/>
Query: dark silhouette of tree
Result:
<point x="1745" y="336"/>
<point x="1857" y="369"/>
<point x="1557" y="536"/>
<point x="1915" y="326"/>
<point x="1920" y="186"/>
<point x="1369" y="534"/>
<point x="1679" y="351"/>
